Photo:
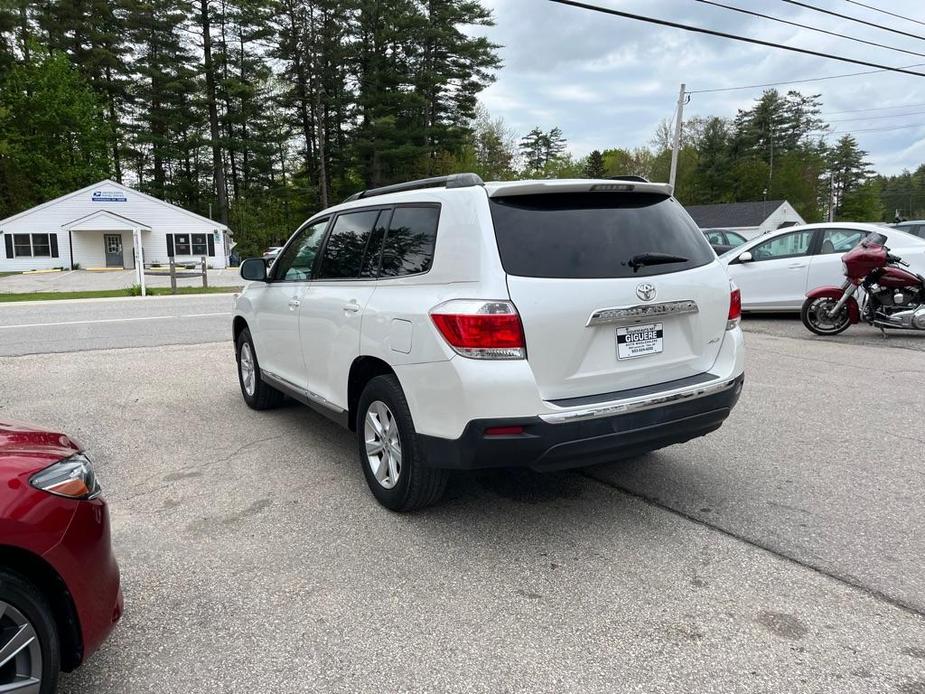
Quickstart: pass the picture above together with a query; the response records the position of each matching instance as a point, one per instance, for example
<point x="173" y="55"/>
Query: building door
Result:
<point x="113" y="244"/>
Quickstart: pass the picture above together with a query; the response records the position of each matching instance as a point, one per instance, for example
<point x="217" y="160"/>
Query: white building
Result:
<point x="750" y="219"/>
<point x="94" y="228"/>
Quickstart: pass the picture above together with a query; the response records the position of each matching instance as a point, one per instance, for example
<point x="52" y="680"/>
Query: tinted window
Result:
<point x="594" y="235"/>
<point x="841" y="240"/>
<point x="346" y="245"/>
<point x="409" y="245"/>
<point x="370" y="265"/>
<point x="786" y="246"/>
<point x="715" y="238"/>
<point x="296" y="262"/>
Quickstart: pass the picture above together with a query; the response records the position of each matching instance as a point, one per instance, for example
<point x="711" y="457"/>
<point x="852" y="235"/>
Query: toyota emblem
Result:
<point x="645" y="291"/>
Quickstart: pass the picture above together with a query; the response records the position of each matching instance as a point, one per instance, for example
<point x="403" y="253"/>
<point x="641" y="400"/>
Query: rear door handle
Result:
<point x="294" y="304"/>
<point x="796" y="266"/>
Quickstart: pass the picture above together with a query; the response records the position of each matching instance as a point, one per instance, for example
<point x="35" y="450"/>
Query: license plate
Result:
<point x="639" y="340"/>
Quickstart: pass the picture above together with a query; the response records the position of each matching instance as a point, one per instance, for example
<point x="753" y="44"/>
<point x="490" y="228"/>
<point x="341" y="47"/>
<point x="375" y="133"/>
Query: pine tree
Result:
<point x="594" y="166"/>
<point x="849" y="170"/>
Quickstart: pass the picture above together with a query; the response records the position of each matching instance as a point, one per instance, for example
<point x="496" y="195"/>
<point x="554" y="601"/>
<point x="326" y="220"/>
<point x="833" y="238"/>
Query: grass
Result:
<point x="7" y="274"/>
<point x="110" y="293"/>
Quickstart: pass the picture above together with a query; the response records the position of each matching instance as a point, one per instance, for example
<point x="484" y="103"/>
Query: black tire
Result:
<point x="808" y="314"/>
<point x="264" y="396"/>
<point x="418" y="485"/>
<point x="19" y="593"/>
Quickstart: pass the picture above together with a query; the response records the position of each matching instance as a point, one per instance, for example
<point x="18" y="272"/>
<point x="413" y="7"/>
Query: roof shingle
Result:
<point x="733" y="214"/>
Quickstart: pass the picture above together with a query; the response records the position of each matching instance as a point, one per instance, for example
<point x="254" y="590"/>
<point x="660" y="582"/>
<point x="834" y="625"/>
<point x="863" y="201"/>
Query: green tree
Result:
<point x="849" y="170"/>
<point x="594" y="167"/>
<point x="53" y="135"/>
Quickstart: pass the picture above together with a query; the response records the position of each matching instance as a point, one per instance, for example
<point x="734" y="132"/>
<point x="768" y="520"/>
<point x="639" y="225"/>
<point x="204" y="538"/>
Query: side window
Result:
<point x="734" y="239"/>
<point x="840" y="240"/>
<point x="409" y="243"/>
<point x="715" y="238"/>
<point x="346" y="245"/>
<point x="370" y="265"/>
<point x="785" y="246"/>
<point x="296" y="261"/>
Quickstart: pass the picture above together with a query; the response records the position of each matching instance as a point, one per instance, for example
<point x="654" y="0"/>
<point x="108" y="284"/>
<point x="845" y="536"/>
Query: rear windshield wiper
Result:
<point x="638" y="261"/>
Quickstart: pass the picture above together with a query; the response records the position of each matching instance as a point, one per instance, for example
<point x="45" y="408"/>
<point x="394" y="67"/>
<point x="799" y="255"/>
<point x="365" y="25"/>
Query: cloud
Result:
<point x="608" y="81"/>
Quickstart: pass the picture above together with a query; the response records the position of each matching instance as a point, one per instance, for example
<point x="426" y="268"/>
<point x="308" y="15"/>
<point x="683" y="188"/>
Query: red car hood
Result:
<point x="27" y="447"/>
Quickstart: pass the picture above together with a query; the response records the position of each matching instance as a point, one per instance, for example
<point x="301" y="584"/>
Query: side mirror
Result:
<point x="745" y="257"/>
<point x="254" y="270"/>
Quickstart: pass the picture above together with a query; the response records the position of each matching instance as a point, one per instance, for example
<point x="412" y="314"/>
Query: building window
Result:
<point x="200" y="247"/>
<point x="181" y="244"/>
<point x="32" y="246"/>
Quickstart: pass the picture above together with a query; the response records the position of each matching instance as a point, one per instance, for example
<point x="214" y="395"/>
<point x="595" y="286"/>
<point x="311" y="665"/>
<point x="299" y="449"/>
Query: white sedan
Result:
<point x="776" y="270"/>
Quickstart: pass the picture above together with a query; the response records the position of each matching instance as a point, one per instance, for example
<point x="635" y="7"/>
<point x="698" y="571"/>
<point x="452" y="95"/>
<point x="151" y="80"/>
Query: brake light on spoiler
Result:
<point x="480" y="329"/>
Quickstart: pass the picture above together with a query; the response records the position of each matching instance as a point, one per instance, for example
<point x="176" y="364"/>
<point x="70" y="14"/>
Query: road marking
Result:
<point x="112" y="320"/>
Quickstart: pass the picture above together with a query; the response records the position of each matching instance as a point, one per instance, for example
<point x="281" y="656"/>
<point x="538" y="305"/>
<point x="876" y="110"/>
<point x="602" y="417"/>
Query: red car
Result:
<point x="59" y="581"/>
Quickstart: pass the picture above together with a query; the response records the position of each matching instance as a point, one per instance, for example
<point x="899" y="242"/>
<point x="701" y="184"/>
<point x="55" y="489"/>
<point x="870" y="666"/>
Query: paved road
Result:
<point x="782" y="553"/>
<point x="68" y="326"/>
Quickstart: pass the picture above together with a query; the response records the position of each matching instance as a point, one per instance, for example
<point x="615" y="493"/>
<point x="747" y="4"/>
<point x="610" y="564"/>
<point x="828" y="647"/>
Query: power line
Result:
<point x="804" y="26"/>
<point x="892" y="14"/>
<point x="803" y="81"/>
<point x="853" y="19"/>
<point x="891" y="115"/>
<point x="872" y="130"/>
<point x="734" y="37"/>
<point x="876" y="108"/>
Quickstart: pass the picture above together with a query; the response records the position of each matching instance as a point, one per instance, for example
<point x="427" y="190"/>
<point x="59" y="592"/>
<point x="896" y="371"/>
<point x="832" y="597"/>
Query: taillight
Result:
<point x="735" y="307"/>
<point x="481" y="329"/>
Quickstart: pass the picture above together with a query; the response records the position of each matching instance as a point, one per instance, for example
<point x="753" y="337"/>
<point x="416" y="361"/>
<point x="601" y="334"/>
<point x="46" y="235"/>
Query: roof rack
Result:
<point x="628" y="177"/>
<point x="460" y="180"/>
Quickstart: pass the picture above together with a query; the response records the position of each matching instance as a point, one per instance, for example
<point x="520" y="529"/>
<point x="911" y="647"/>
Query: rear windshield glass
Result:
<point x="595" y="235"/>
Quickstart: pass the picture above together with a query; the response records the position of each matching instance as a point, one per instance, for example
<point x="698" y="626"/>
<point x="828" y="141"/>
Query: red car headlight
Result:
<point x="72" y="477"/>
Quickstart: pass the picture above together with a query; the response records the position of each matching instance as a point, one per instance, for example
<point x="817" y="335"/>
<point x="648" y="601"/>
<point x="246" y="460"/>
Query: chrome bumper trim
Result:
<point x="634" y="314"/>
<point x="618" y="407"/>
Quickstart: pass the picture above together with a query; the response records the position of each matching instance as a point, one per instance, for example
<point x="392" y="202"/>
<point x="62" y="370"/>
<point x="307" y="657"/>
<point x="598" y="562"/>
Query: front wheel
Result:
<point x="816" y="318"/>
<point x="390" y="455"/>
<point x="30" y="655"/>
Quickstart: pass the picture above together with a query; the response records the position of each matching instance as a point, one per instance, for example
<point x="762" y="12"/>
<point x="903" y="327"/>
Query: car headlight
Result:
<point x="72" y="477"/>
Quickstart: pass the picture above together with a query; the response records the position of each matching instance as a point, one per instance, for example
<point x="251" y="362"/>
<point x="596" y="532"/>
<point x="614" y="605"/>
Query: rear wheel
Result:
<point x="390" y="455"/>
<point x="29" y="648"/>
<point x="257" y="393"/>
<point x="816" y="318"/>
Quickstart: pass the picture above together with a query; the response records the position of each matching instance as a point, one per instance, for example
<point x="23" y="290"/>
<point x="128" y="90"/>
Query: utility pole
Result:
<point x="831" y="197"/>
<point x="676" y="144"/>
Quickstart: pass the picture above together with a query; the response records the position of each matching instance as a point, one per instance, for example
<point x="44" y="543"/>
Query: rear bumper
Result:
<point x="597" y="436"/>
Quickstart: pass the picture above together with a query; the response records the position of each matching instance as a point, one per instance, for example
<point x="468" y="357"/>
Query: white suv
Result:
<point x="456" y="324"/>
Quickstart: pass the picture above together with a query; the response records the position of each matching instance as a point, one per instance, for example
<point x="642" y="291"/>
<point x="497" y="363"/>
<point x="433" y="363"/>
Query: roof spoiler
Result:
<point x="460" y="180"/>
<point x="628" y="177"/>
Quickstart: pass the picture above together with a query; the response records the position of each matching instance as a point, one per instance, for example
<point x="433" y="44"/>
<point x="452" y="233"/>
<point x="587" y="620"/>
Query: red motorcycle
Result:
<point x="893" y="298"/>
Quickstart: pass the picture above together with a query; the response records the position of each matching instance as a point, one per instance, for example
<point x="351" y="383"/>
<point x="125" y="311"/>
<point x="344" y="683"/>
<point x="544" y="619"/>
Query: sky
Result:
<point x="608" y="81"/>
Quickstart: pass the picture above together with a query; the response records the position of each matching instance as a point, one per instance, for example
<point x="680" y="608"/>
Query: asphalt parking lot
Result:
<point x="783" y="553"/>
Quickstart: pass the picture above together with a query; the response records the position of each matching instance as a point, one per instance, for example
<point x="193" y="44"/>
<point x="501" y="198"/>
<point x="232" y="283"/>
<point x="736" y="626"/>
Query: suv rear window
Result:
<point x="594" y="235"/>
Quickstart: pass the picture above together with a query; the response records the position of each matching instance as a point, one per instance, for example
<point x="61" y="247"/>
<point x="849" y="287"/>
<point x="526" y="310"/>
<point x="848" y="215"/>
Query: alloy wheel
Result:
<point x="818" y="315"/>
<point x="20" y="653"/>
<point x="383" y="444"/>
<point x="248" y="372"/>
